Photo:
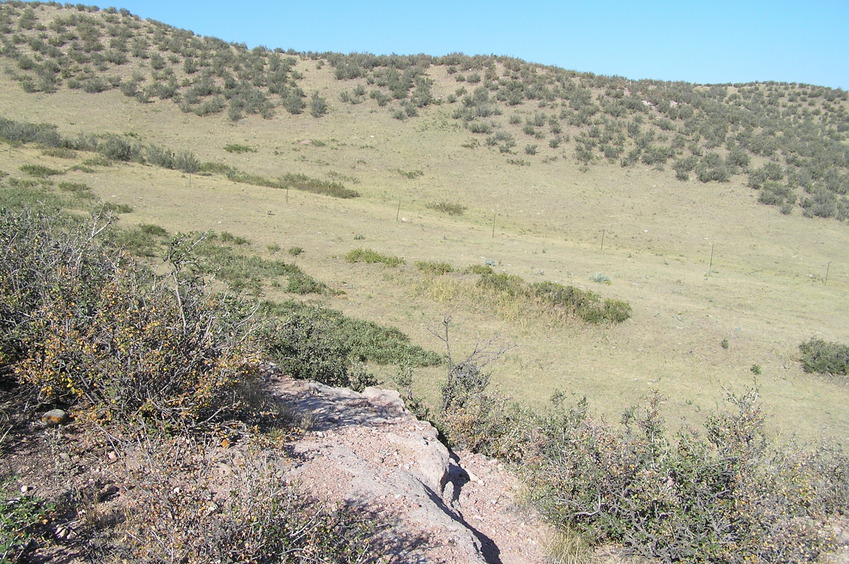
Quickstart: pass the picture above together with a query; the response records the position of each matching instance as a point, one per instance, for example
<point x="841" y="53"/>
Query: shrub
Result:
<point x="503" y="284"/>
<point x="481" y="269"/>
<point x="117" y="208"/>
<point x="434" y="268"/>
<point x="712" y="168"/>
<point x="304" y="346"/>
<point x="775" y="194"/>
<point x="75" y="187"/>
<point x="39" y="170"/>
<point x="137" y="241"/>
<point x="450" y="208"/>
<point x="142" y="353"/>
<point x="316" y="186"/>
<point x="84" y="326"/>
<point x="726" y="496"/>
<point x="588" y="306"/>
<point x="160" y="156"/>
<point x="22" y="520"/>
<point x="154" y="230"/>
<point x="318" y="105"/>
<point x="363" y="340"/>
<point x="59" y="152"/>
<point x="600" y="278"/>
<point x="823" y="357"/>
<point x="245" y="272"/>
<point x="370" y="256"/>
<point x="237" y="148"/>
<point x="187" y="162"/>
<point x="119" y="149"/>
<point x="228" y="237"/>
<point x="411" y="174"/>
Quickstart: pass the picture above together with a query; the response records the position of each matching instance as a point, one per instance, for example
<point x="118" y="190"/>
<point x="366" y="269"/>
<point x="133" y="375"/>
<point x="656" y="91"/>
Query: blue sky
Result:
<point x="708" y="41"/>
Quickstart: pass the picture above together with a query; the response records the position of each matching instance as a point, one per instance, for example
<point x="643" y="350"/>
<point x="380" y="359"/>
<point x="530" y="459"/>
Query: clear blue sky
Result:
<point x="703" y="41"/>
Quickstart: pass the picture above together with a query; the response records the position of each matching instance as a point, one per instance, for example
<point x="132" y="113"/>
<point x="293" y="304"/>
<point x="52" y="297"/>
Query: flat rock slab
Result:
<point x="367" y="448"/>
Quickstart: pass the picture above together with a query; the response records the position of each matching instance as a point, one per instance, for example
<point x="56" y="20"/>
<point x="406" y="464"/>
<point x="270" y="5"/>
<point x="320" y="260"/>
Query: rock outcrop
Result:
<point x="367" y="449"/>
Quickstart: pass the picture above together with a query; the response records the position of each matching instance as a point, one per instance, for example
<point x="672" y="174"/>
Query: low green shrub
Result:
<point x="39" y="171"/>
<point x="434" y="268"/>
<point x="824" y="357"/>
<point x="228" y="237"/>
<point x="411" y="174"/>
<point x="137" y="241"/>
<point x="362" y="340"/>
<point x="294" y="181"/>
<point x="116" y="208"/>
<point x="242" y="271"/>
<point x="152" y="229"/>
<point x="303" y="344"/>
<point x="371" y="257"/>
<point x="600" y="278"/>
<point x="22" y="520"/>
<point x="75" y="187"/>
<point x="726" y="496"/>
<point x="15" y="196"/>
<point x="481" y="269"/>
<point x="448" y="207"/>
<point x="59" y="152"/>
<point x="504" y="284"/>
<point x="316" y="186"/>
<point x="585" y="305"/>
<point x="237" y="148"/>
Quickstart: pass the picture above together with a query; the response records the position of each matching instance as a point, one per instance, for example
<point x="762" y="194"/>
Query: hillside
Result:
<point x="518" y="152"/>
<point x="633" y="243"/>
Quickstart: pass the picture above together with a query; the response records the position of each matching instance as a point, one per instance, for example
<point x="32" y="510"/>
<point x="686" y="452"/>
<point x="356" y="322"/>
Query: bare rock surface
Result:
<point x="368" y="449"/>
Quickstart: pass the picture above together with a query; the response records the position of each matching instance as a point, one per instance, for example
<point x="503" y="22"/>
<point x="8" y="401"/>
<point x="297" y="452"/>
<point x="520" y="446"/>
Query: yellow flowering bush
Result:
<point x="90" y="328"/>
<point x="142" y="351"/>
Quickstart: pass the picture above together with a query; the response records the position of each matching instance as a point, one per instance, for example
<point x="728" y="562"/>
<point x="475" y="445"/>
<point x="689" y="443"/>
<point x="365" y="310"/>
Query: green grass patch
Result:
<point x="34" y="197"/>
<point x="300" y="182"/>
<point x="247" y="272"/>
<point x="370" y="256"/>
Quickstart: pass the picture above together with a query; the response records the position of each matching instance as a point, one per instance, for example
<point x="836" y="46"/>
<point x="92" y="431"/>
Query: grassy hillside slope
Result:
<point x="563" y="177"/>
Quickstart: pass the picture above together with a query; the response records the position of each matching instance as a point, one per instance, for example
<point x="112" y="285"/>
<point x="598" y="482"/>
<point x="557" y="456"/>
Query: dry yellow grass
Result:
<point x="764" y="292"/>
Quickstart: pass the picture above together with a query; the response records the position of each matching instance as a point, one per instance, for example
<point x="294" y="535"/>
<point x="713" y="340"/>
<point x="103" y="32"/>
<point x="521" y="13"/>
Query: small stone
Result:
<point x="26" y="489"/>
<point x="55" y="417"/>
